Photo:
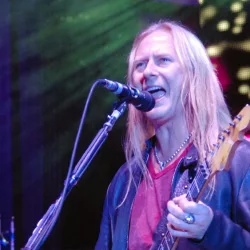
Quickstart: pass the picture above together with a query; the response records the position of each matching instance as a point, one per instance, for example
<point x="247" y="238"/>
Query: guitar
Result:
<point x="219" y="158"/>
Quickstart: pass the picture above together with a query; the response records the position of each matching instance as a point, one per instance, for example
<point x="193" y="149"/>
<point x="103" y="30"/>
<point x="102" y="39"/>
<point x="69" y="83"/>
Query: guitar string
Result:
<point x="192" y="188"/>
<point x="201" y="181"/>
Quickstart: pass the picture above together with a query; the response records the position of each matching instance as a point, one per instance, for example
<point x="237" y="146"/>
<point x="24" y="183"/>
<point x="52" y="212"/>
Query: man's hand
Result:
<point x="188" y="219"/>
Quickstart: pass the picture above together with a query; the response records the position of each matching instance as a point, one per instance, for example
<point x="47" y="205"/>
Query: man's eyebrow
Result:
<point x="160" y="53"/>
<point x="140" y="59"/>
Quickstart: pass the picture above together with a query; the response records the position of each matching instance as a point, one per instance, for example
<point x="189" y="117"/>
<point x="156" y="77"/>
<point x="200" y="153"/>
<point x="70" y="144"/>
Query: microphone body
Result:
<point x="142" y="100"/>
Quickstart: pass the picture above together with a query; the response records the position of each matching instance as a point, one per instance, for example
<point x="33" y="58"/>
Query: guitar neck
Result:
<point x="199" y="184"/>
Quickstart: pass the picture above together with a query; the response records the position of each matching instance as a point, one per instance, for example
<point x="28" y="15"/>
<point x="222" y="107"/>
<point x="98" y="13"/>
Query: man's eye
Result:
<point x="140" y="65"/>
<point x="164" y="59"/>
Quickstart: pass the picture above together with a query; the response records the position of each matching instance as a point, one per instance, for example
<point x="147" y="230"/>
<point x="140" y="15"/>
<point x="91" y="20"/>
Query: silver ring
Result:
<point x="189" y="219"/>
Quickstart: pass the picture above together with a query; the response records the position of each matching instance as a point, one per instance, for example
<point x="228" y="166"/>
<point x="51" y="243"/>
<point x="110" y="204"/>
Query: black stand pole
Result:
<point x="40" y="233"/>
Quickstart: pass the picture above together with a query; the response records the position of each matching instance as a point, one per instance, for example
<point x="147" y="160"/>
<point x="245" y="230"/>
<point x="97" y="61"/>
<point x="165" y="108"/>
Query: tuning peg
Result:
<point x="204" y="173"/>
<point x="227" y="131"/>
<point x="221" y="137"/>
<point x="211" y="152"/>
<point x="238" y="117"/>
<point x="232" y="124"/>
<point x="217" y="145"/>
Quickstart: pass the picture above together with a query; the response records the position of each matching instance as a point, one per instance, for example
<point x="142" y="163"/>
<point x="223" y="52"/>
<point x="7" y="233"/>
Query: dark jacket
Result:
<point x="230" y="227"/>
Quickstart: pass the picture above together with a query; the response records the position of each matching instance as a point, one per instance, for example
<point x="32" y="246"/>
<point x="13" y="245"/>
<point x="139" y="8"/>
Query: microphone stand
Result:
<point x="39" y="234"/>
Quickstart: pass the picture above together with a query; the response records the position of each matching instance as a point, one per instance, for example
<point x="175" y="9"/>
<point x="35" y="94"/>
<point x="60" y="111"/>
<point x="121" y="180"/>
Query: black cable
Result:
<point x="66" y="183"/>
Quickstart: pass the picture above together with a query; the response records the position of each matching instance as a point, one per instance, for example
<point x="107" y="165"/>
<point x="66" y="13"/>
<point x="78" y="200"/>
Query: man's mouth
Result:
<point x="156" y="91"/>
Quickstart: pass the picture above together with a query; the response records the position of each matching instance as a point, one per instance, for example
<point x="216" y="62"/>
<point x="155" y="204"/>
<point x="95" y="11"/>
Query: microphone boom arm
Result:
<point x="39" y="234"/>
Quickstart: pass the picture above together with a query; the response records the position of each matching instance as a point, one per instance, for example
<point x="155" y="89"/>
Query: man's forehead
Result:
<point x="159" y="35"/>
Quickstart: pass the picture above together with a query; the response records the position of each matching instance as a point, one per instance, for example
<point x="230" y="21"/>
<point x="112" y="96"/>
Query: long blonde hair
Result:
<point x="205" y="109"/>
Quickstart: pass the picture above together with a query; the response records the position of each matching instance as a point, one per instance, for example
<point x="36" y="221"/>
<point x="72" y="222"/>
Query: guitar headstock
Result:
<point x="228" y="141"/>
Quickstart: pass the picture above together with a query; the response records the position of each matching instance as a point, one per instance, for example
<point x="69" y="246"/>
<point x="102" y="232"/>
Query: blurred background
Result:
<point x="51" y="52"/>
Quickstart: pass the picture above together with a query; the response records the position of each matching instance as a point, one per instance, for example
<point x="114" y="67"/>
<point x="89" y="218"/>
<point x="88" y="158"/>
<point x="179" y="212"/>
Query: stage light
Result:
<point x="207" y="13"/>
<point x="244" y="89"/>
<point x="201" y="1"/>
<point x="244" y="45"/>
<point x="215" y="50"/>
<point x="236" y="30"/>
<point x="244" y="73"/>
<point x="223" y="25"/>
<point x="240" y="19"/>
<point x="236" y="6"/>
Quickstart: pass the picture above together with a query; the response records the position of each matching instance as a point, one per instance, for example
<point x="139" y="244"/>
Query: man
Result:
<point x="165" y="149"/>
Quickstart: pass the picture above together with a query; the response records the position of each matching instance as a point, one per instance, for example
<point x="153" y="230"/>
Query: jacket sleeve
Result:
<point x="105" y="235"/>
<point x="225" y="234"/>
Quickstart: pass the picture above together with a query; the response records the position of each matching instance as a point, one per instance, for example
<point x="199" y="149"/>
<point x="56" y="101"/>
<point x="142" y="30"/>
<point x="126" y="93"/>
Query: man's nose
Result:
<point x="150" y="71"/>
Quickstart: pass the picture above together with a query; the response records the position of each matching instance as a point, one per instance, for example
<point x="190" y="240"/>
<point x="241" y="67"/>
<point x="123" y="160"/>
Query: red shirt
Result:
<point x="149" y="204"/>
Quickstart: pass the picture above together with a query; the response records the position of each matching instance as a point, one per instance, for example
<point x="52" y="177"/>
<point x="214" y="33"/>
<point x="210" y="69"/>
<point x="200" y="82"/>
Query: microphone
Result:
<point x="142" y="100"/>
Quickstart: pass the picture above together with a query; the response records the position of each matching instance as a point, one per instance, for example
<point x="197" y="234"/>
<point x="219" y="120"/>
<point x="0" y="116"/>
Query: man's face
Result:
<point x="157" y="69"/>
